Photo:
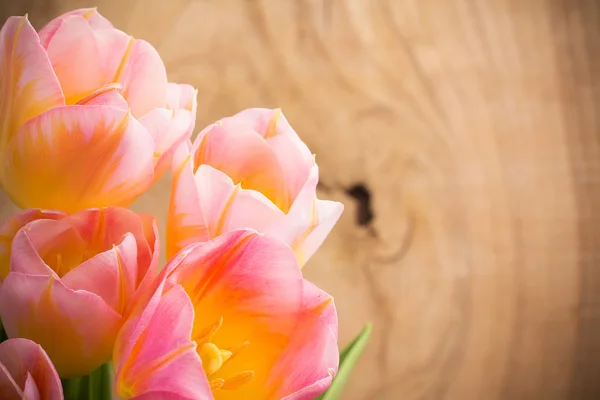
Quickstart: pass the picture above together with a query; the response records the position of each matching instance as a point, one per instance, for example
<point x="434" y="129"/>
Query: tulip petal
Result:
<point x="306" y="368"/>
<point x="76" y="59"/>
<point x="77" y="329"/>
<point x="28" y="366"/>
<point x="254" y="284"/>
<point x="92" y="16"/>
<point x="165" y="362"/>
<point x="295" y="159"/>
<point x="28" y="86"/>
<point x="182" y="96"/>
<point x="251" y="162"/>
<point x="31" y="390"/>
<point x="46" y="247"/>
<point x="112" y="275"/>
<point x="110" y="97"/>
<point x="144" y="78"/>
<point x="104" y="228"/>
<point x="11" y="226"/>
<point x="309" y="220"/>
<point x="169" y="128"/>
<point x="185" y="222"/>
<point x="86" y="156"/>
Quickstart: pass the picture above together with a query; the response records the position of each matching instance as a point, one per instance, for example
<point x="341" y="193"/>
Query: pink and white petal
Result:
<point x="106" y="227"/>
<point x="92" y="16"/>
<point x="36" y="247"/>
<point x="185" y="222"/>
<point x="76" y="59"/>
<point x="250" y="209"/>
<point x="144" y="79"/>
<point x="79" y="157"/>
<point x="11" y="226"/>
<point x="250" y="161"/>
<point x="216" y="193"/>
<point x="25" y="361"/>
<point x="162" y="362"/>
<point x="328" y="213"/>
<point x="112" y="275"/>
<point x="169" y="128"/>
<point x="182" y="96"/>
<point x="295" y="160"/>
<point x="307" y="366"/>
<point x="28" y="85"/>
<point x="42" y="309"/>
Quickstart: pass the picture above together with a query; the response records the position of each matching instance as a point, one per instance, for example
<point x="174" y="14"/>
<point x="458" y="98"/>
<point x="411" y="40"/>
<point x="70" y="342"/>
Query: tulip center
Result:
<point x="213" y="358"/>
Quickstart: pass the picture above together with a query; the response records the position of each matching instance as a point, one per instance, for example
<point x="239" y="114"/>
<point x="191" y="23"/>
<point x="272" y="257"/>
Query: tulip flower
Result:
<point x="87" y="116"/>
<point x="72" y="281"/>
<point x="249" y="171"/>
<point x="27" y="373"/>
<point x="242" y="324"/>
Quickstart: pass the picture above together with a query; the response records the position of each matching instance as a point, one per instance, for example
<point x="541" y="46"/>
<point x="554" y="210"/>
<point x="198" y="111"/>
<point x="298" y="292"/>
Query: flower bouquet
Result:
<point x="88" y="122"/>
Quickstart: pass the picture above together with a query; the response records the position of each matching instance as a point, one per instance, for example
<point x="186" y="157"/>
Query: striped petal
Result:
<point x="28" y="86"/>
<point x="72" y="158"/>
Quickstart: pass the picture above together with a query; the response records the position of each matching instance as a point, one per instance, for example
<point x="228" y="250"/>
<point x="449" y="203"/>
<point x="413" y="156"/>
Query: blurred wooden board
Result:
<point x="475" y="127"/>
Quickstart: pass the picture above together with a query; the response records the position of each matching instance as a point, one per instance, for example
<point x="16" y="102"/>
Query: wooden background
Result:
<point x="474" y="126"/>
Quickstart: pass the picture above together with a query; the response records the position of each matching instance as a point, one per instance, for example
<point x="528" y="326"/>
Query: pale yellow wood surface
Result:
<point x="475" y="125"/>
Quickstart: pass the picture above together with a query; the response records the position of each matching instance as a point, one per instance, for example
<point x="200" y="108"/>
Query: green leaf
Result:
<point x="348" y="359"/>
<point x="95" y="386"/>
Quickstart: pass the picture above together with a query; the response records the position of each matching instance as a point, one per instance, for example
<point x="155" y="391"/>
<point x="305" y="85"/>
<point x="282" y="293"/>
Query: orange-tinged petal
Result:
<point x="144" y="78"/>
<point x="254" y="284"/>
<point x="295" y="159"/>
<point x="28" y="85"/>
<point x="92" y="16"/>
<point x="76" y="328"/>
<point x="112" y="275"/>
<point x="104" y="228"/>
<point x="11" y="226"/>
<point x="185" y="222"/>
<point x="246" y="158"/>
<point x="76" y="59"/>
<point x="77" y="157"/>
<point x="26" y="369"/>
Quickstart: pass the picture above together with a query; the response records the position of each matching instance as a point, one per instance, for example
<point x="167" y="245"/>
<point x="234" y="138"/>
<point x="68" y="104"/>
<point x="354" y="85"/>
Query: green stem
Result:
<point x="95" y="386"/>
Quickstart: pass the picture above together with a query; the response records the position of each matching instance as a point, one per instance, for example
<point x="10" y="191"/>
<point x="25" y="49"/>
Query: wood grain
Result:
<point x="475" y="127"/>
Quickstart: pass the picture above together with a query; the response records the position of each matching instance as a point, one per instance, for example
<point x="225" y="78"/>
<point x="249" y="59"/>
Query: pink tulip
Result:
<point x="27" y="373"/>
<point x="72" y="281"/>
<point x="249" y="171"/>
<point x="88" y="118"/>
<point x="242" y="324"/>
